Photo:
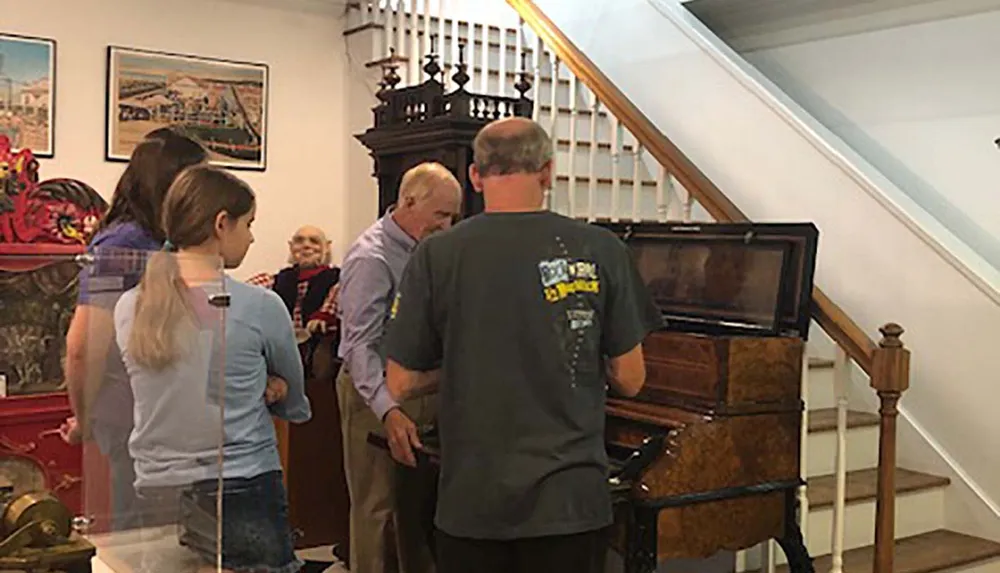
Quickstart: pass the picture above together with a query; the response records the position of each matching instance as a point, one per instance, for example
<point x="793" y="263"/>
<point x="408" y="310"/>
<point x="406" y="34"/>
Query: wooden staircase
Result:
<point x="922" y="544"/>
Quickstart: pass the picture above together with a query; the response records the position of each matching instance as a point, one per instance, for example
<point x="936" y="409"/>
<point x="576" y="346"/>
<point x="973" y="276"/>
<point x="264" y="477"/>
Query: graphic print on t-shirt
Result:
<point x="570" y="283"/>
<point x="563" y="277"/>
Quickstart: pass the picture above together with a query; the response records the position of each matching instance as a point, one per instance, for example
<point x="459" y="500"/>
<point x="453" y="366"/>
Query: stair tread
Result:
<point x="939" y="550"/>
<point x="825" y="419"/>
<point x="863" y="484"/>
<point x="817" y="362"/>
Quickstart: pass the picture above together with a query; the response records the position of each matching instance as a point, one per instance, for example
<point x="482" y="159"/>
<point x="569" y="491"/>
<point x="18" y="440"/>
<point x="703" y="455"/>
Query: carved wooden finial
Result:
<point x="523" y="84"/>
<point x="390" y="77"/>
<point x="431" y="68"/>
<point x="891" y="333"/>
<point x="461" y="78"/>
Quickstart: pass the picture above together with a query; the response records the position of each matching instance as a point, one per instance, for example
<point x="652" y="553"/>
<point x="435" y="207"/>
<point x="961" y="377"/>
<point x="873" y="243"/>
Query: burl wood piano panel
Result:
<point x="722" y="373"/>
<point x="720" y="453"/>
<point x="705" y="454"/>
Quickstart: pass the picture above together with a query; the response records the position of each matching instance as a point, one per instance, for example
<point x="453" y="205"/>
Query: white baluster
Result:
<point x="571" y="163"/>
<point x="400" y="44"/>
<point x="502" y="86"/>
<point x="768" y="555"/>
<point x="803" y="492"/>
<point x="553" y="113"/>
<point x="386" y="31"/>
<point x="688" y="205"/>
<point x="841" y="381"/>
<point x="428" y="31"/>
<point x="595" y="107"/>
<point x="455" y="32"/>
<point x="617" y="132"/>
<point x="379" y="39"/>
<point x="484" y="85"/>
<point x="662" y="180"/>
<point x="442" y="46"/>
<point x="636" y="181"/>
<point x="413" y="67"/>
<point x="536" y="67"/>
<point x="553" y="93"/>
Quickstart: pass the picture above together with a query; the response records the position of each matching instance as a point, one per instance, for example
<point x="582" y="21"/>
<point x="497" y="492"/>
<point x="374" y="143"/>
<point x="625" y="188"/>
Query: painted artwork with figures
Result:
<point x="43" y="224"/>
<point x="220" y="103"/>
<point x="27" y="77"/>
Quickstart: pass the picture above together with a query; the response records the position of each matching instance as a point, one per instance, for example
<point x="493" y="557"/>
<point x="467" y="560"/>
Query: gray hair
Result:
<point x="420" y="181"/>
<point x="503" y="150"/>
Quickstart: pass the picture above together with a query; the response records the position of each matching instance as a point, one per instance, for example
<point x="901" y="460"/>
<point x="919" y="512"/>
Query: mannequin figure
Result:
<point x="308" y="286"/>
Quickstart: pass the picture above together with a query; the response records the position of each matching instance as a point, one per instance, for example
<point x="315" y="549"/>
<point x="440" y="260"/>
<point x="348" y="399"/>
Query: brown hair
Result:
<point x="163" y="313"/>
<point x="154" y="165"/>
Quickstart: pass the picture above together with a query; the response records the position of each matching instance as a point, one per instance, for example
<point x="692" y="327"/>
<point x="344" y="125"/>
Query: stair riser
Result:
<point x="862" y="451"/>
<point x="821" y="389"/>
<point x="916" y="513"/>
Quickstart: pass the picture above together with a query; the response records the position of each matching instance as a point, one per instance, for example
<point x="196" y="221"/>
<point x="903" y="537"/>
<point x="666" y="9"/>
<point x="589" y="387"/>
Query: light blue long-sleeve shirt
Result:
<point x="369" y="276"/>
<point x="176" y="438"/>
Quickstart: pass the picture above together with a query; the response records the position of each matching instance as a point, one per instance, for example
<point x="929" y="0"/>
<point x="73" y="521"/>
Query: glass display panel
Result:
<point x="713" y="280"/>
<point x="148" y="398"/>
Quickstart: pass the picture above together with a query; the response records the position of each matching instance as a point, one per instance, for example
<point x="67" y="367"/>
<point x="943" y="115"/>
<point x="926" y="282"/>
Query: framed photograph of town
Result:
<point x="220" y="103"/>
<point x="27" y="93"/>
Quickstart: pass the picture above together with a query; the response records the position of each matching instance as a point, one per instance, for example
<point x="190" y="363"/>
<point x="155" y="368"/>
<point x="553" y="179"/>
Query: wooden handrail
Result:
<point x="844" y="331"/>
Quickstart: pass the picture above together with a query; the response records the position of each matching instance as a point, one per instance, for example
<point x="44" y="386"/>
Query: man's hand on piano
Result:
<point x="402" y="435"/>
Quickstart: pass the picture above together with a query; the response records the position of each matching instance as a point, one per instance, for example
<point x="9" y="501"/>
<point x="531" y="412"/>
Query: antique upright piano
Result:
<point x="707" y="457"/>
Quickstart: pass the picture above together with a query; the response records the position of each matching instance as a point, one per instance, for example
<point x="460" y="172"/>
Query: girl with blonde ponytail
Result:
<point x="165" y="330"/>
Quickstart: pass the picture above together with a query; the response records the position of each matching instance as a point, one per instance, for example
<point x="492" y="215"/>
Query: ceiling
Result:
<point x="757" y="24"/>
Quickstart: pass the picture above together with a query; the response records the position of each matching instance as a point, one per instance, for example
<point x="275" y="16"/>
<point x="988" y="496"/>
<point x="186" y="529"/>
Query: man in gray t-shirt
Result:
<point x="521" y="317"/>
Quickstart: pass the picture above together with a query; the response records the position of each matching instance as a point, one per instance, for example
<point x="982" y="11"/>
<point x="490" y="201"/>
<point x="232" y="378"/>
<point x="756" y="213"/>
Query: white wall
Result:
<point x="306" y="172"/>
<point x="921" y="103"/>
<point x="881" y="258"/>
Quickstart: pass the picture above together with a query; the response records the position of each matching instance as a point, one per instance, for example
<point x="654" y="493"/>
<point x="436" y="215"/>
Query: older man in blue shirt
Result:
<point x="429" y="200"/>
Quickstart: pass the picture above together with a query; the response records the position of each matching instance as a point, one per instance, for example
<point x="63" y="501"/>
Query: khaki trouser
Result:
<point x="383" y="538"/>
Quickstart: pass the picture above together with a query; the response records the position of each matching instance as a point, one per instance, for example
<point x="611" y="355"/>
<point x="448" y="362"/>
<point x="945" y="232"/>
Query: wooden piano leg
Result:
<point x="792" y="542"/>
<point x="640" y="554"/>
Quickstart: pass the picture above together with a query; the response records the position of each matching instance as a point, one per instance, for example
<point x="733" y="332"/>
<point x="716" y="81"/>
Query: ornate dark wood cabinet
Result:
<point x="707" y="456"/>
<point x="423" y="123"/>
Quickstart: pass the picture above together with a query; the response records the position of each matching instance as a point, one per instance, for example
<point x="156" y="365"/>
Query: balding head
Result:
<point x="512" y="164"/>
<point x="309" y="247"/>
<point x="510" y="146"/>
<point x="429" y="199"/>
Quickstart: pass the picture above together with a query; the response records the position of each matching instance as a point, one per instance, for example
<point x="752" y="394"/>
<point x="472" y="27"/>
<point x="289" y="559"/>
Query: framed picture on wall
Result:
<point x="27" y="92"/>
<point x="221" y="103"/>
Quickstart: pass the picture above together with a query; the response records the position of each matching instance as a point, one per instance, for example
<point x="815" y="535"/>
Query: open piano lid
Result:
<point x="717" y="278"/>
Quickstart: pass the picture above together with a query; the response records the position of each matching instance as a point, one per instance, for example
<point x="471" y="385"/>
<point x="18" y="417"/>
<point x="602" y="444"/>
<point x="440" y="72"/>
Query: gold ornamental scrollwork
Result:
<point x="17" y="447"/>
<point x="67" y="482"/>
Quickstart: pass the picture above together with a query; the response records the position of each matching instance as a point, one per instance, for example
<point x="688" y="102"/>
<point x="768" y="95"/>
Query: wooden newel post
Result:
<point x="890" y="378"/>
